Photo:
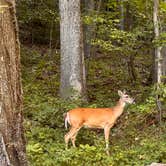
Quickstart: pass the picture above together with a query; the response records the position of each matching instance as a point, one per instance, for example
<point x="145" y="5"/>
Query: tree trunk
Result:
<point x="128" y="18"/>
<point x="72" y="54"/>
<point x="12" y="141"/>
<point x="158" y="58"/>
<point x="50" y="37"/>
<point x="121" y="7"/>
<point x="126" y="24"/>
<point x="131" y="69"/>
<point x="163" y="52"/>
<point x="88" y="29"/>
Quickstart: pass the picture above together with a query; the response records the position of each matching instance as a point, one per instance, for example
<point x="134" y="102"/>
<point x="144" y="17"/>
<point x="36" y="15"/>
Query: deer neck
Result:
<point x="118" y="109"/>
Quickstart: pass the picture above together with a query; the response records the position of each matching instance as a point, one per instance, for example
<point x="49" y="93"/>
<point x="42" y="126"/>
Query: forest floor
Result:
<point x="137" y="138"/>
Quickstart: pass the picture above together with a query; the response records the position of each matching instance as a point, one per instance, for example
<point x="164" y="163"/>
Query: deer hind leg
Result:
<point x="69" y="135"/>
<point x="106" y="134"/>
<point x="73" y="138"/>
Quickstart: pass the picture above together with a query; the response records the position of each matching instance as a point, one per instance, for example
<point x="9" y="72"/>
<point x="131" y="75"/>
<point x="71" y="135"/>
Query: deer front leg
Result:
<point x="73" y="138"/>
<point x="106" y="134"/>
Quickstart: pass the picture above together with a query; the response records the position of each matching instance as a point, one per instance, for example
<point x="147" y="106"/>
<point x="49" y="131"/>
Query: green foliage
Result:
<point x="134" y="139"/>
<point x="46" y="147"/>
<point x="160" y="90"/>
<point x="161" y="40"/>
<point x="148" y="107"/>
<point x="38" y="20"/>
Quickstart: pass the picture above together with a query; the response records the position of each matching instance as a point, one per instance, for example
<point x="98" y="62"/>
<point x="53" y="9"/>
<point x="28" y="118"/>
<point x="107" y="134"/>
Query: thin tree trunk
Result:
<point x="128" y="27"/>
<point x="72" y="54"/>
<point x="12" y="141"/>
<point x="88" y="29"/>
<point x="131" y="69"/>
<point x="50" y="39"/>
<point x="98" y="8"/>
<point x="158" y="58"/>
<point x="128" y="18"/>
<point x="121" y="6"/>
<point x="164" y="64"/>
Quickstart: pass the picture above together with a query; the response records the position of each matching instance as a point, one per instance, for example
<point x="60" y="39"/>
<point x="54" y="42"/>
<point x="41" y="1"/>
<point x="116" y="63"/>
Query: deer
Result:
<point x="102" y="118"/>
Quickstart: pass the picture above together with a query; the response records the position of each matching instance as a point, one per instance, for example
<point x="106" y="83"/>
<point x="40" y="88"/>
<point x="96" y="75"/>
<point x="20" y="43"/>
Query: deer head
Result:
<point x="125" y="98"/>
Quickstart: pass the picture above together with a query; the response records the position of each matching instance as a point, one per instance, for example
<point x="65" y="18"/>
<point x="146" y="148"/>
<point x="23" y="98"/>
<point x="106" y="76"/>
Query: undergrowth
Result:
<point x="136" y="139"/>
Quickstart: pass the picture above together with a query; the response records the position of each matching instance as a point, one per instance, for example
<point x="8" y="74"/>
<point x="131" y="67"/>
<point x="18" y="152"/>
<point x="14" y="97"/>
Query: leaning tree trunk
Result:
<point x="72" y="54"/>
<point x="12" y="142"/>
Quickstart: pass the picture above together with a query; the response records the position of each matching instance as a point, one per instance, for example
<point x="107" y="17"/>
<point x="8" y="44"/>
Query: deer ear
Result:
<point x="124" y="91"/>
<point x="120" y="93"/>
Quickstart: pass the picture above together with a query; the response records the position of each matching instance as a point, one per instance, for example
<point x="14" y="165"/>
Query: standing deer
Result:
<point x="103" y="118"/>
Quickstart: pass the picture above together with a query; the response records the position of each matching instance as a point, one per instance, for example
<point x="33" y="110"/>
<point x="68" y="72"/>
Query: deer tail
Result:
<point x="66" y="116"/>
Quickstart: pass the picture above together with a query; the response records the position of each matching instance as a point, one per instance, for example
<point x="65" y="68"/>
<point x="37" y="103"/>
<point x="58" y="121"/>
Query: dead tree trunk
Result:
<point x="12" y="141"/>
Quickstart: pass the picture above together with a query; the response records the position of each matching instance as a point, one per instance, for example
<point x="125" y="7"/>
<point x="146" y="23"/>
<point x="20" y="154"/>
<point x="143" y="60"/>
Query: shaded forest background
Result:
<point x="119" y="48"/>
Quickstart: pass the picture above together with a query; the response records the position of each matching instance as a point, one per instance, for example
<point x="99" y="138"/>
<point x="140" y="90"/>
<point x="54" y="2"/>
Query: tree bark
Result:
<point x="128" y="18"/>
<point x="12" y="141"/>
<point x="163" y="52"/>
<point x="158" y="58"/>
<point x="131" y="69"/>
<point x="88" y="29"/>
<point x="50" y="37"/>
<point x="121" y="9"/>
<point x="72" y="54"/>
